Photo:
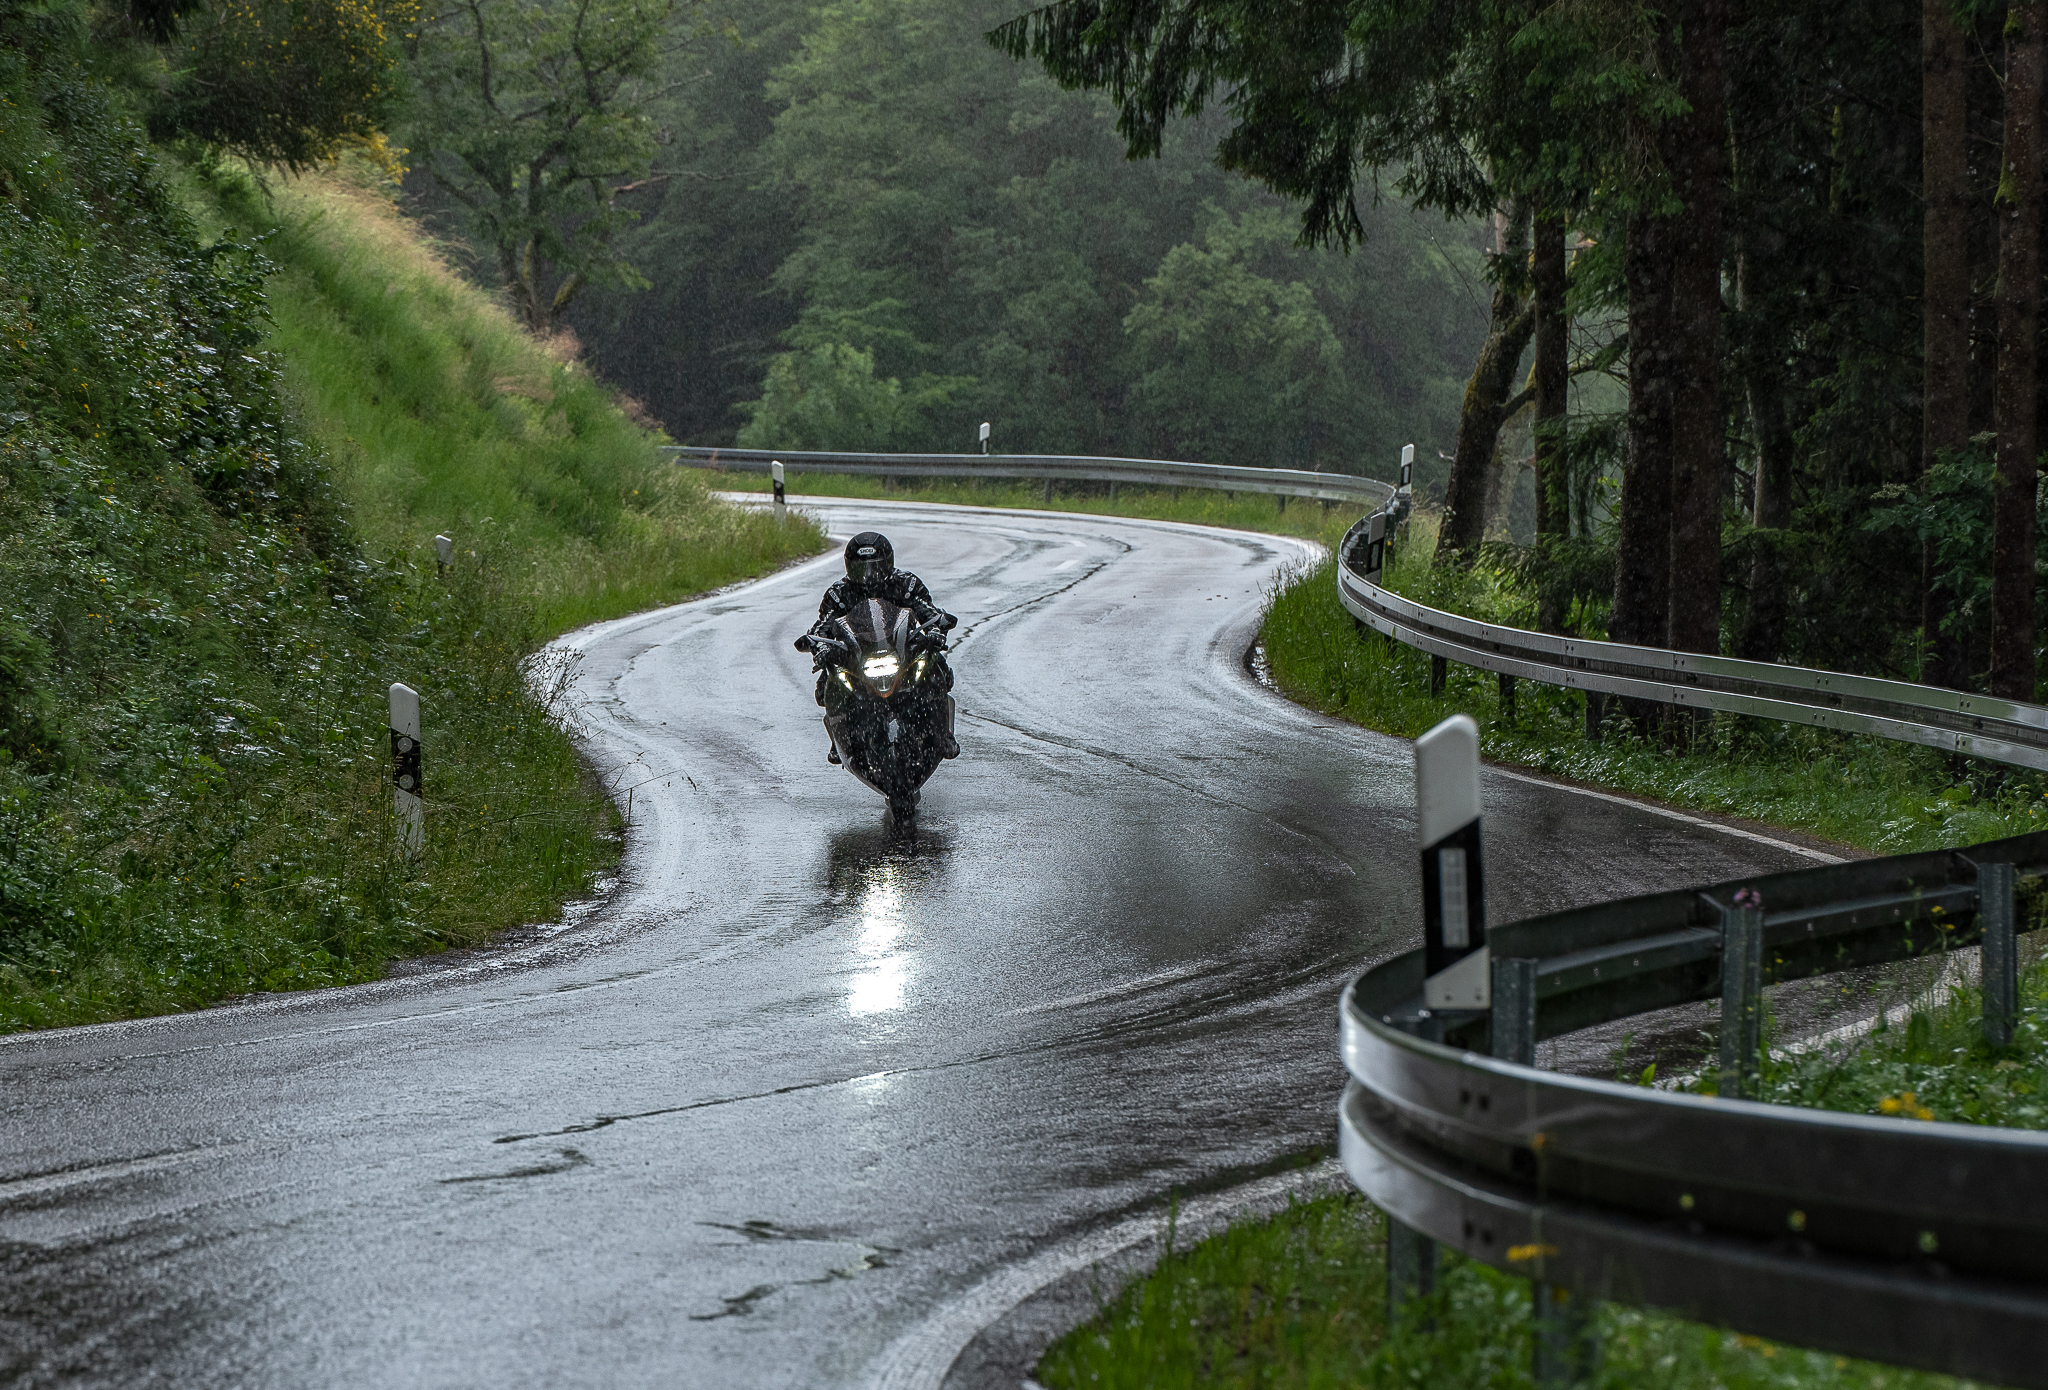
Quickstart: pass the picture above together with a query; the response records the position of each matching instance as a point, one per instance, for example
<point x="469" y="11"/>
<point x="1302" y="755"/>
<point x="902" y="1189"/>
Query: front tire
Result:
<point x="903" y="810"/>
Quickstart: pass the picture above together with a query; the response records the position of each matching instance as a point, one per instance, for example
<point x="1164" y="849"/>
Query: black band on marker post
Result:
<point x="1449" y="938"/>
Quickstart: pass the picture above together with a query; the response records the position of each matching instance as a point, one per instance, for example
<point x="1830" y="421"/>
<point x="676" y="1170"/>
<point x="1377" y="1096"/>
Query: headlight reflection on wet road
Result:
<point x="878" y="914"/>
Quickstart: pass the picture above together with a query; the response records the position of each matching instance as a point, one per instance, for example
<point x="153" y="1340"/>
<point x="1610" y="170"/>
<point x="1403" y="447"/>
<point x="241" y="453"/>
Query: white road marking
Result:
<point x="920" y="1359"/>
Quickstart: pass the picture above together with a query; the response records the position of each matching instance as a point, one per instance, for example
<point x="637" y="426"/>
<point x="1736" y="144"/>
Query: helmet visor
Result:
<point x="866" y="572"/>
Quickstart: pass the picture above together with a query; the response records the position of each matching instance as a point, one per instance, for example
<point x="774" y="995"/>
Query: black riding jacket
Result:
<point x="901" y="588"/>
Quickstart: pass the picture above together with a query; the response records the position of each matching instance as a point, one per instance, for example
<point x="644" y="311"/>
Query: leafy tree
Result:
<point x="828" y="397"/>
<point x="534" y="117"/>
<point x="1228" y="363"/>
<point x="284" y="82"/>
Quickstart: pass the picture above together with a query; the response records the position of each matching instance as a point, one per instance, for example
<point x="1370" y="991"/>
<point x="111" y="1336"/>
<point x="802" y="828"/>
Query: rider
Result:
<point x="871" y="573"/>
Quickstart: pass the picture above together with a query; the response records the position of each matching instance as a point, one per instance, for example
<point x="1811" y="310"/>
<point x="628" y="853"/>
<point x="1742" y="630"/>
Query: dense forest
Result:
<point x="1749" y="292"/>
<point x="876" y="231"/>
<point x="1818" y="222"/>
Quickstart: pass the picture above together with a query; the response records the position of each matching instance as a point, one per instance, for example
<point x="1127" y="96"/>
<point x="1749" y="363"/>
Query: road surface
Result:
<point x="796" y="1085"/>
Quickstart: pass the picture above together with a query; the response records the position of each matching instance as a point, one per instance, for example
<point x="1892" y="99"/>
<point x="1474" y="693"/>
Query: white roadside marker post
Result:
<point x="405" y="768"/>
<point x="984" y="436"/>
<point x="1455" y="960"/>
<point x="781" y="503"/>
<point x="444" y="552"/>
<point x="1456" y="974"/>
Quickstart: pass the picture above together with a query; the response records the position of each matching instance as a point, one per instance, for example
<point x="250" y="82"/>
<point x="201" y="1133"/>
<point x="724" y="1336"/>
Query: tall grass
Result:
<point x="440" y="414"/>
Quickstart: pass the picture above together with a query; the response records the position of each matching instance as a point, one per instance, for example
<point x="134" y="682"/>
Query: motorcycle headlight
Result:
<point x="844" y="679"/>
<point x="880" y="668"/>
<point x="917" y="670"/>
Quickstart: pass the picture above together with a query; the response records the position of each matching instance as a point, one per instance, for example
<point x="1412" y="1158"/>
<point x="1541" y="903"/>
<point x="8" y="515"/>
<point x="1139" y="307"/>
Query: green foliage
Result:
<point x="286" y="82"/>
<point x="1883" y="796"/>
<point x="976" y="231"/>
<point x="1298" y="1302"/>
<point x="1936" y="1067"/>
<point x="532" y="115"/>
<point x="1230" y="364"/>
<point x="828" y="397"/>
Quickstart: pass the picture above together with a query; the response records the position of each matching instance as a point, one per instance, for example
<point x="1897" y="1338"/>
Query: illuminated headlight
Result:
<point x="917" y="669"/>
<point x="844" y="679"/>
<point x="880" y="668"/>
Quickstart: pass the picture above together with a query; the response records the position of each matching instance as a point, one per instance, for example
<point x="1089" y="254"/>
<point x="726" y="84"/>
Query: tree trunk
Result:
<point x="1552" y="381"/>
<point x="1763" y="619"/>
<point x="1642" y="562"/>
<point x="1945" y="321"/>
<point x="1473" y="461"/>
<point x="1699" y="435"/>
<point x="2019" y="295"/>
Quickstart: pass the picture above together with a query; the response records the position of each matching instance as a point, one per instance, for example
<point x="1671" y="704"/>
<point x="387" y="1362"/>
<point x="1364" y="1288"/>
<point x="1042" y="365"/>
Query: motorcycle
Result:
<point x="886" y="700"/>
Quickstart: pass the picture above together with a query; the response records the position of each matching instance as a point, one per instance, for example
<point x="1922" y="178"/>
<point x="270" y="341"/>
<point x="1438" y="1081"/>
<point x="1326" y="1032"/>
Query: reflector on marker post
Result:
<point x="1456" y="971"/>
<point x="775" y="472"/>
<point x="405" y="768"/>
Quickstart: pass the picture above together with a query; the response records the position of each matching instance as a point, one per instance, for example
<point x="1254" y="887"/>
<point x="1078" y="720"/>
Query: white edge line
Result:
<point x="920" y="1359"/>
<point x="1654" y="809"/>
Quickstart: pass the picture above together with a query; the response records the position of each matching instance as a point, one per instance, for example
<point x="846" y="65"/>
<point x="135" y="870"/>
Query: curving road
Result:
<point x="795" y="1086"/>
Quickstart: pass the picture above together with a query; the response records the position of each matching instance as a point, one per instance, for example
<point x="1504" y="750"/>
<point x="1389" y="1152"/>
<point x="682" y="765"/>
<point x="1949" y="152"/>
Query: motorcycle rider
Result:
<point x="871" y="573"/>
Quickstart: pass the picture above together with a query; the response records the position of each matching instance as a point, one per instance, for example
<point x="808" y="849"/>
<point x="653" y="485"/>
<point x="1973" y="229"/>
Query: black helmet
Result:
<point x="869" y="560"/>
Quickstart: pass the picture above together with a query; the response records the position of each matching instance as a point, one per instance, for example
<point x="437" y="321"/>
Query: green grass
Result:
<point x="1878" y="795"/>
<point x="1244" y="511"/>
<point x="1298" y="1302"/>
<point x="440" y="414"/>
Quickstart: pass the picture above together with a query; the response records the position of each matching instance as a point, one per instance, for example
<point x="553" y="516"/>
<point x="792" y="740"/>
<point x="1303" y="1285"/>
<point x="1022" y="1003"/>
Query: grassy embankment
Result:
<point x="219" y="464"/>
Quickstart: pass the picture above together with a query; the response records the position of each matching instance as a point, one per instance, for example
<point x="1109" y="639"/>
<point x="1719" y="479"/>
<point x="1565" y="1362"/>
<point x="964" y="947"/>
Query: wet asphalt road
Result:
<point x="797" y="1083"/>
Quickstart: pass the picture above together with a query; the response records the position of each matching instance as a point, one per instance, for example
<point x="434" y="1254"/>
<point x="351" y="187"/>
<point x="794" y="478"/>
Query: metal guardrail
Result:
<point x="1922" y="1244"/>
<point x="1052" y="468"/>
<point x="1978" y="725"/>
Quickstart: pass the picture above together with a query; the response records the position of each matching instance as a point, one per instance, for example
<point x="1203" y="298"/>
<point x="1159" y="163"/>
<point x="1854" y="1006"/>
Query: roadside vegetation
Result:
<point x="1875" y="794"/>
<point x="228" y="427"/>
<point x="1243" y="511"/>
<point x="1298" y="1302"/>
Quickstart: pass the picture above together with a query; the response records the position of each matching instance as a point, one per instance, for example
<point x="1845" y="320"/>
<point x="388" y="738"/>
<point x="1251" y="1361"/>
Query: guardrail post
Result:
<point x="1566" y="1341"/>
<point x="1439" y="670"/>
<point x="1411" y="1269"/>
<point x="1507" y="698"/>
<point x="1995" y="885"/>
<point x="1048" y="492"/>
<point x="1514" y="1010"/>
<point x="1742" y="996"/>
